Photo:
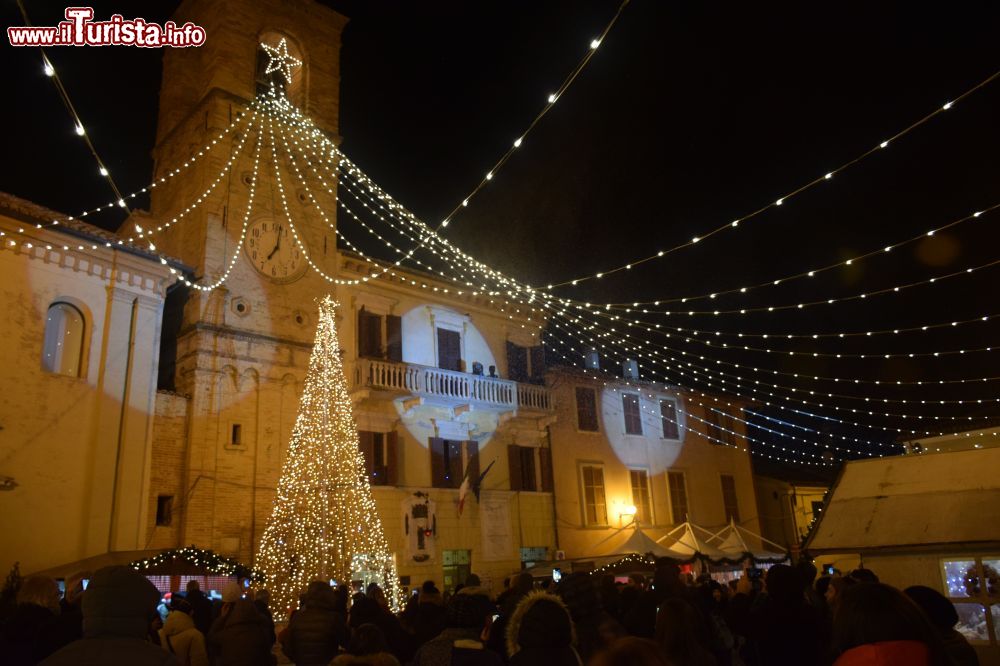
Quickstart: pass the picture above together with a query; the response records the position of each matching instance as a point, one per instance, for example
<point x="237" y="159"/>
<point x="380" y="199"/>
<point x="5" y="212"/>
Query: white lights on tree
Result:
<point x="325" y="524"/>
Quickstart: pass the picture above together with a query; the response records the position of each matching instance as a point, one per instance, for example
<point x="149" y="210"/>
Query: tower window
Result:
<point x="164" y="510"/>
<point x="236" y="438"/>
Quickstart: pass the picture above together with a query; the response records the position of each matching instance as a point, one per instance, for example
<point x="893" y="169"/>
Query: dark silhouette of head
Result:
<point x="876" y="613"/>
<point x="935" y="606"/>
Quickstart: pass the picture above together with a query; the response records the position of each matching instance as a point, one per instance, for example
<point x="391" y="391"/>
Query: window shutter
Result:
<point x="366" y="441"/>
<point x="517" y="362"/>
<point x="537" y="363"/>
<point x="668" y="414"/>
<point x="472" y="451"/>
<point x="364" y="334"/>
<point x="437" y="463"/>
<point x="453" y="463"/>
<point x="392" y="458"/>
<point x="514" y="463"/>
<point x="545" y="462"/>
<point x="449" y="349"/>
<point x="394" y="337"/>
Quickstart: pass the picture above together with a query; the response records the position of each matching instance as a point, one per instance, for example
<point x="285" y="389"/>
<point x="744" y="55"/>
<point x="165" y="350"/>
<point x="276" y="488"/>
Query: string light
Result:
<point x="775" y="202"/>
<point x="324" y="523"/>
<point x="551" y="99"/>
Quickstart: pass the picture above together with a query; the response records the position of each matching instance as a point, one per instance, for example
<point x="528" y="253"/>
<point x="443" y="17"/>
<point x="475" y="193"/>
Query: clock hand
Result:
<point x="277" y="245"/>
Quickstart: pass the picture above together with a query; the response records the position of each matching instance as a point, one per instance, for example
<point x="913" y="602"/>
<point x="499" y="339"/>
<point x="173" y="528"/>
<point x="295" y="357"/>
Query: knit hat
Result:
<point x="232" y="593"/>
<point x="118" y="603"/>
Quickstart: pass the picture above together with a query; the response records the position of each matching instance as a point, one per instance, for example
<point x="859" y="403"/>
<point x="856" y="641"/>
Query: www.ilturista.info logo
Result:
<point x="79" y="29"/>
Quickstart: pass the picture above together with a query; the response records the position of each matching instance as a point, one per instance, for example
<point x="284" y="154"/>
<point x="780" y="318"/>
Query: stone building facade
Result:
<point x="446" y="384"/>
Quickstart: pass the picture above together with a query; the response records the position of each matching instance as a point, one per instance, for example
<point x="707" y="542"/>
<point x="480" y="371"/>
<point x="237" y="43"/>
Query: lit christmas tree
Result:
<point x="324" y="524"/>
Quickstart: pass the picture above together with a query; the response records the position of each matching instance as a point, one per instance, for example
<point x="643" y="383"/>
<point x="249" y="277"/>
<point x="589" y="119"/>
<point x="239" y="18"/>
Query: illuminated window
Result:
<point x="973" y="586"/>
<point x="633" y="416"/>
<point x="678" y="497"/>
<point x="62" y="349"/>
<point x="595" y="509"/>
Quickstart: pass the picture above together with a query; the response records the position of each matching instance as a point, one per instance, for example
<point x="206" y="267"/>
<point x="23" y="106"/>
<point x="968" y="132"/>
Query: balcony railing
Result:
<point x="425" y="381"/>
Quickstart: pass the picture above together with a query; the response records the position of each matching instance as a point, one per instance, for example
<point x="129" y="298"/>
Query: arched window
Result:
<point x="62" y="350"/>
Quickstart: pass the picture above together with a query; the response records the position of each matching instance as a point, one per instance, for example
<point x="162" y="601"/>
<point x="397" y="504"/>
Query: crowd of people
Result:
<point x="786" y="617"/>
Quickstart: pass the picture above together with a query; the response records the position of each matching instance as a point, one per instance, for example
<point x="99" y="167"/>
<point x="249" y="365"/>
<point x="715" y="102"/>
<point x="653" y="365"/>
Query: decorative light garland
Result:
<point x="324" y="523"/>
<point x="204" y="559"/>
<point x="734" y="224"/>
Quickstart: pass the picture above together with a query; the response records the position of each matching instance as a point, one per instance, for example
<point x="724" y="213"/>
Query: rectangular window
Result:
<point x="729" y="498"/>
<point x="517" y="362"/>
<point x="678" y="497"/>
<point x="369" y="335"/>
<point x="532" y="554"/>
<point x="586" y="409"/>
<point x="450" y="459"/>
<point x="668" y="414"/>
<point x="595" y="510"/>
<point x="970" y="584"/>
<point x="164" y="510"/>
<point x="528" y="468"/>
<point x="236" y="435"/>
<point x="640" y="496"/>
<point x="379" y="452"/>
<point x="449" y="349"/>
<point x="633" y="416"/>
<point x="521" y="461"/>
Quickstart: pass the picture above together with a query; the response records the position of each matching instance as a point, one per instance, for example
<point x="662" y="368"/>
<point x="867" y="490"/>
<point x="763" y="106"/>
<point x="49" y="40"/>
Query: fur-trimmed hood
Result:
<point x="548" y="624"/>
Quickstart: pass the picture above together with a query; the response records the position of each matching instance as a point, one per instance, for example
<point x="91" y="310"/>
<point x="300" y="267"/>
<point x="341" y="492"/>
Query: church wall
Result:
<point x="76" y="446"/>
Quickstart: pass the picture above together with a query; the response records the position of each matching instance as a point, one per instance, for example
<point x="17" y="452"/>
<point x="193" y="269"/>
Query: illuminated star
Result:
<point x="280" y="60"/>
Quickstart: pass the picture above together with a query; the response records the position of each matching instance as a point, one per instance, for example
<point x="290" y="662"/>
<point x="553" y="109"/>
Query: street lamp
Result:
<point x="628" y="511"/>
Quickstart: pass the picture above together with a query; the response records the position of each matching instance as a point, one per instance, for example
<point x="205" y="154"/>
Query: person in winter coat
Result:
<point x="180" y="638"/>
<point x="239" y="636"/>
<point x="32" y="633"/>
<point x="541" y="633"/>
<point x="468" y="617"/>
<point x="201" y="607"/>
<point x="317" y="631"/>
<point x="116" y="609"/>
<point x="784" y="630"/>
<point x="944" y="617"/>
<point x="877" y="625"/>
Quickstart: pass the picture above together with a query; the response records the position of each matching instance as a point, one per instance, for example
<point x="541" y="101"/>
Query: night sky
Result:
<point x="690" y="115"/>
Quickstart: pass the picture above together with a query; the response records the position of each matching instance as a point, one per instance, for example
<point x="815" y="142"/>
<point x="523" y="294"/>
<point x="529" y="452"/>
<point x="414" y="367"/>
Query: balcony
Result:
<point x="451" y="387"/>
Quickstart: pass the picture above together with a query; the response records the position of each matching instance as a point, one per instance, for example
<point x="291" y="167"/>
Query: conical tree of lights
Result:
<point x="324" y="524"/>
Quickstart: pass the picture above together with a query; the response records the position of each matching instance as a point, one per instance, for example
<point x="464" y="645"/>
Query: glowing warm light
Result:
<point x="324" y="523"/>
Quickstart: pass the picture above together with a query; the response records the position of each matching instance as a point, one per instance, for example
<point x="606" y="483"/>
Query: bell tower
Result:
<point x="242" y="348"/>
<point x="205" y="89"/>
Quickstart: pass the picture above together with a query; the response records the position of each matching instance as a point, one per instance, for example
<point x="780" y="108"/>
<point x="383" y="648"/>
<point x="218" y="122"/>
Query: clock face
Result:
<point x="271" y="248"/>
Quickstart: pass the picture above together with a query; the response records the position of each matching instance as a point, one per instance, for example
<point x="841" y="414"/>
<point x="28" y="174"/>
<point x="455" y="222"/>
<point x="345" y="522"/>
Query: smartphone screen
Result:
<point x="556" y="575"/>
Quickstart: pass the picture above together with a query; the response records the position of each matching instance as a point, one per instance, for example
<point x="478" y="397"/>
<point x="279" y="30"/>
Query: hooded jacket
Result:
<point x="180" y="638"/>
<point x="541" y="632"/>
<point x="116" y="617"/>
<point x="240" y="637"/>
<point x="889" y="653"/>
